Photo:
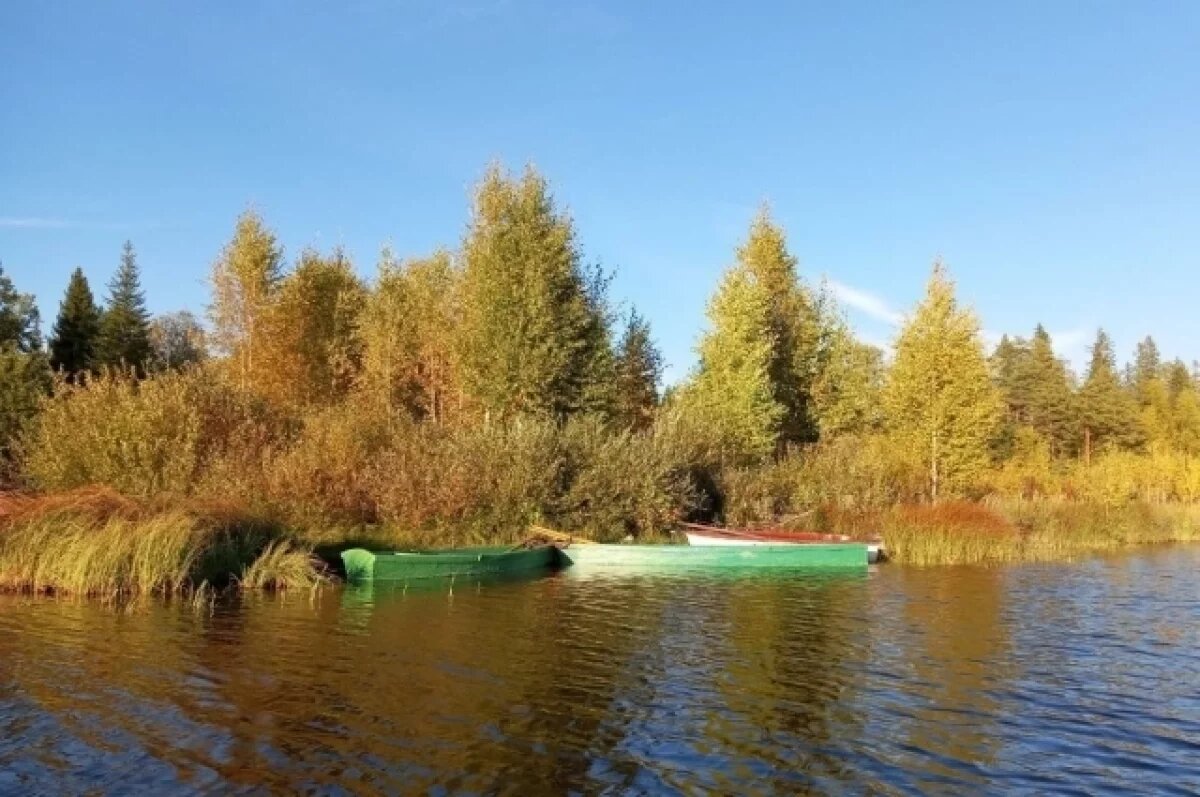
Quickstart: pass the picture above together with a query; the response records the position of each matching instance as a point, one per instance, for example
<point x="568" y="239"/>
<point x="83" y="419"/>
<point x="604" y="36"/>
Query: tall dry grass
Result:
<point x="96" y="542"/>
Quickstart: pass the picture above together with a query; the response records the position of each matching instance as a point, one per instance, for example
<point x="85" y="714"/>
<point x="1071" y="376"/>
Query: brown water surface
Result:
<point x="1077" y="678"/>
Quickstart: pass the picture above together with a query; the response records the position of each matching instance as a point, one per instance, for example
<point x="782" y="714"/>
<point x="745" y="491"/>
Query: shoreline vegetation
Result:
<point x="462" y="397"/>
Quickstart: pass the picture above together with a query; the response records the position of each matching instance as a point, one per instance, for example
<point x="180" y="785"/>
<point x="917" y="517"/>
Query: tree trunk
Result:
<point x="934" y="475"/>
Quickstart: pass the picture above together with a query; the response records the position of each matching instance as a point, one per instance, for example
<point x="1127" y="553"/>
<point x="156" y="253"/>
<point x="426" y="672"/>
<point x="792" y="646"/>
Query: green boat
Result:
<point x="685" y="557"/>
<point x="363" y="565"/>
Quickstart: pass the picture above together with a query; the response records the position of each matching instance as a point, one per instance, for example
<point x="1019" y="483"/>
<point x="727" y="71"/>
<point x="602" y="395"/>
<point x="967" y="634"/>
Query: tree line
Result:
<point x="513" y="323"/>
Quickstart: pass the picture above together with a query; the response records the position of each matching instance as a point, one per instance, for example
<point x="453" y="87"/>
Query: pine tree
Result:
<point x="1108" y="414"/>
<point x="939" y="397"/>
<point x="639" y="369"/>
<point x="794" y="326"/>
<point x="73" y="340"/>
<point x="245" y="283"/>
<point x="124" y="340"/>
<point x="535" y="325"/>
<point x="731" y="395"/>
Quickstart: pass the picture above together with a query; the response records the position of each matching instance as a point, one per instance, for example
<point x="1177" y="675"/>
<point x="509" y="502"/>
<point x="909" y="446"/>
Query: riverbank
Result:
<point x="99" y="543"/>
<point x="967" y="533"/>
<point x="96" y="542"/>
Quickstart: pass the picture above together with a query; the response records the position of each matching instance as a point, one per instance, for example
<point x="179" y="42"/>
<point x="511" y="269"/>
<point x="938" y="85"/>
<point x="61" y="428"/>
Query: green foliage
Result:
<point x="73" y="341"/>
<point x="848" y="393"/>
<point x="939" y="397"/>
<point x="620" y="482"/>
<point x="731" y="393"/>
<point x="124" y="337"/>
<point x="19" y="318"/>
<point x="535" y="327"/>
<point x="638" y="372"/>
<point x="1108" y="413"/>
<point x="24" y="371"/>
<point x="141" y="438"/>
<point x="1036" y="391"/>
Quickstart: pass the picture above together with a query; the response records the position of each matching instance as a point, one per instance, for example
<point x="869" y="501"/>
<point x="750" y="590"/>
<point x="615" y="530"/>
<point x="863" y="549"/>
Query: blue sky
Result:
<point x="1046" y="150"/>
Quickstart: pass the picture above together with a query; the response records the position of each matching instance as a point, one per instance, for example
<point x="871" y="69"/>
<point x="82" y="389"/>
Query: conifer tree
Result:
<point x="124" y="340"/>
<point x="795" y="326"/>
<point x="1108" y="414"/>
<point x="535" y="327"/>
<point x="1050" y="402"/>
<point x="731" y="395"/>
<point x="1146" y="372"/>
<point x="245" y="284"/>
<point x="939" y="397"/>
<point x="73" y="340"/>
<point x="639" y="369"/>
<point x="847" y="395"/>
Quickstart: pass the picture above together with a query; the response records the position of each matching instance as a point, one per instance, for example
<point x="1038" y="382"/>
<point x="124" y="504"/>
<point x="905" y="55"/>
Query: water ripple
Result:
<point x="1026" y="680"/>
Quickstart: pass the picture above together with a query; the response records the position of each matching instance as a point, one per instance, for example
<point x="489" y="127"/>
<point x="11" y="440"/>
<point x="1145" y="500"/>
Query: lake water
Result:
<point x="1072" y="678"/>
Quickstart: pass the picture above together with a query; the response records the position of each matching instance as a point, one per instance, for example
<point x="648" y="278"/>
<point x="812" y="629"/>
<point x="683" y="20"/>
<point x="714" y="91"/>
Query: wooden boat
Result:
<point x="364" y="565"/>
<point x="731" y="557"/>
<point x="706" y="536"/>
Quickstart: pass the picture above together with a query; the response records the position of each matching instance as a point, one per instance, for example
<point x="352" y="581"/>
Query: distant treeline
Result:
<point x="495" y="384"/>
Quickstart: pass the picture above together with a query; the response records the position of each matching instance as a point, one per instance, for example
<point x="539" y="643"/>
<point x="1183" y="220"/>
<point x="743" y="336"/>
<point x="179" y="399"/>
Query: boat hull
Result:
<point x="733" y="557"/>
<point x="702" y="540"/>
<point x="363" y="565"/>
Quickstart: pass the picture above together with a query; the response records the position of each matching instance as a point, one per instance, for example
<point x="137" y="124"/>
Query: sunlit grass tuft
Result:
<point x="96" y="543"/>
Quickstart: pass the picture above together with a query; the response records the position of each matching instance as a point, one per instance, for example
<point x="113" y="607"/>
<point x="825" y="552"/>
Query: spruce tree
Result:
<point x="245" y="284"/>
<point x="535" y="325"/>
<point x="73" y="340"/>
<point x="639" y="369"/>
<point x="939" y="397"/>
<point x="124" y="340"/>
<point x="1049" y="402"/>
<point x="1146" y="371"/>
<point x="731" y="396"/>
<point x="1108" y="414"/>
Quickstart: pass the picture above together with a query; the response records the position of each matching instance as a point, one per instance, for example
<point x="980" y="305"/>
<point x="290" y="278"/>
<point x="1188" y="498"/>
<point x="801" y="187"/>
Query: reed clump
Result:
<point x="1010" y="531"/>
<point x="97" y="543"/>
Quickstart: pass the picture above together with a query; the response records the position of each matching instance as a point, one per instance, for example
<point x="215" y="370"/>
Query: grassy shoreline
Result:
<point x="96" y="542"/>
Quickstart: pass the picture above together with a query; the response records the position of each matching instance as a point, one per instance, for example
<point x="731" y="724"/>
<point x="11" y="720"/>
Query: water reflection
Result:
<point x="1028" y="678"/>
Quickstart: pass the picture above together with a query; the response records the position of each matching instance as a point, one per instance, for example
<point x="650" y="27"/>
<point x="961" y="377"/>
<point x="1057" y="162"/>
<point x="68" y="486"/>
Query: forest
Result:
<point x="460" y="396"/>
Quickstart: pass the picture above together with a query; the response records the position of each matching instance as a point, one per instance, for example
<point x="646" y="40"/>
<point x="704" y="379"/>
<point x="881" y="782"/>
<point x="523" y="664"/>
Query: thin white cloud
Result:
<point x="867" y="303"/>
<point x="31" y="223"/>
